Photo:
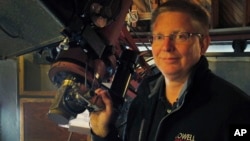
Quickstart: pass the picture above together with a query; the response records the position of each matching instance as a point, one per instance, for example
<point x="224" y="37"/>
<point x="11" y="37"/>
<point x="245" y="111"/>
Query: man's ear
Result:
<point x="204" y="44"/>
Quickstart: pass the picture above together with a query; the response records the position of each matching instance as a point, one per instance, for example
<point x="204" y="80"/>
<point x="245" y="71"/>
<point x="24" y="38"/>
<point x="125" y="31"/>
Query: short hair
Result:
<point x="196" y="11"/>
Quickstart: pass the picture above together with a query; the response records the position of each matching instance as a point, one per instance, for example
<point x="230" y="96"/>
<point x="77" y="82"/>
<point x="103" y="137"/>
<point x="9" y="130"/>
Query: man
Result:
<point x="186" y="101"/>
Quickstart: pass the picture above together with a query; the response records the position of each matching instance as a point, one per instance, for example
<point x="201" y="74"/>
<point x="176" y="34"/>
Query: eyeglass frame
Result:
<point x="173" y="37"/>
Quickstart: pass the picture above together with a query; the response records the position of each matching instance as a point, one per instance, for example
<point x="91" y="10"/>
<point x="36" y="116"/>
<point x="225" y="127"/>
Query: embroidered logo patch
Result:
<point x="184" y="137"/>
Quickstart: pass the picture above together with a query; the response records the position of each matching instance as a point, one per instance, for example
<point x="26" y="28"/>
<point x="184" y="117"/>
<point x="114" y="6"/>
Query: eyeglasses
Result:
<point x="178" y="37"/>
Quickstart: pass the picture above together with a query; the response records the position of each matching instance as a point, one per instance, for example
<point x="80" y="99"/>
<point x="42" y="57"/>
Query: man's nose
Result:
<point x="168" y="44"/>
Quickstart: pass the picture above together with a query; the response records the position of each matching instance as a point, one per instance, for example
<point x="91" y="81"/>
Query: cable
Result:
<point x="69" y="138"/>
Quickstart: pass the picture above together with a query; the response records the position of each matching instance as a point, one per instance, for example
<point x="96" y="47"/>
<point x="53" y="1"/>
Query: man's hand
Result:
<point x="99" y="121"/>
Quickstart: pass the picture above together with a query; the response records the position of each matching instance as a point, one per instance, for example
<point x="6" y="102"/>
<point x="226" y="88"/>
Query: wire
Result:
<point x="133" y="16"/>
<point x="69" y="138"/>
<point x="150" y="5"/>
<point x="85" y="74"/>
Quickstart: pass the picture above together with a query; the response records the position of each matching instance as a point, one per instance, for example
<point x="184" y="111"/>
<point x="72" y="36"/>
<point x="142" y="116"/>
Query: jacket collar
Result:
<point x="154" y="86"/>
<point x="198" y="70"/>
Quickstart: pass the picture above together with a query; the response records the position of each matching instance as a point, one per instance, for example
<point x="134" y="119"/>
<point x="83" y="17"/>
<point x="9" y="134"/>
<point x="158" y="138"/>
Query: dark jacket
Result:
<point x="211" y="107"/>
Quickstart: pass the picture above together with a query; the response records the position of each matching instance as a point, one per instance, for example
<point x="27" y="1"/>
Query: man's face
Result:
<point x="175" y="57"/>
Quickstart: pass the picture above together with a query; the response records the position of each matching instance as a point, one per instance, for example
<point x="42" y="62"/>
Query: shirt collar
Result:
<point x="181" y="96"/>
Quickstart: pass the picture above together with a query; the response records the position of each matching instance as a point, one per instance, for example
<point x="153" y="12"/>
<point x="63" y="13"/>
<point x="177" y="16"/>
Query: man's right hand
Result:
<point x="100" y="120"/>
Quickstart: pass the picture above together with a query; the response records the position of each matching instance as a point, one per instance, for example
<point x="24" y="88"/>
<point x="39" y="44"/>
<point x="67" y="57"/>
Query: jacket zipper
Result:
<point x="141" y="129"/>
<point x="175" y="110"/>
